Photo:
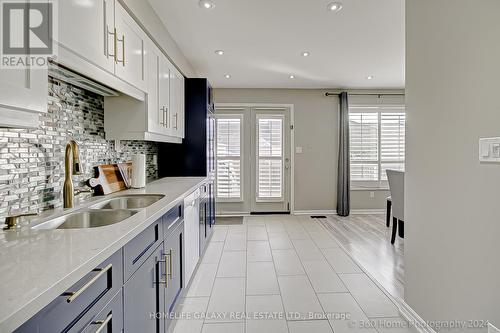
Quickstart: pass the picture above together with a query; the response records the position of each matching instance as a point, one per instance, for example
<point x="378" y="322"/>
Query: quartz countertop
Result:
<point x="37" y="266"/>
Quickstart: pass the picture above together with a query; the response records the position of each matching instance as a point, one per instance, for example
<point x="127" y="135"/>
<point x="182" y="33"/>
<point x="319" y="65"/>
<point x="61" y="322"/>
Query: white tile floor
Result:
<point x="282" y="274"/>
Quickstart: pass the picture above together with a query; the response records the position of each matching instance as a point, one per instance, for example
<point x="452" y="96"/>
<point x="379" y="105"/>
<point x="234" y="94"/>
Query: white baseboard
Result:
<point x="232" y="214"/>
<point x="314" y="212"/>
<point x="367" y="211"/>
<point x="413" y="318"/>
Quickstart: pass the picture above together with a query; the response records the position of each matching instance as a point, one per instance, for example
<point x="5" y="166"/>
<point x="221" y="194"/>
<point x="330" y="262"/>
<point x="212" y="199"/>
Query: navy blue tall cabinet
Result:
<point x="195" y="157"/>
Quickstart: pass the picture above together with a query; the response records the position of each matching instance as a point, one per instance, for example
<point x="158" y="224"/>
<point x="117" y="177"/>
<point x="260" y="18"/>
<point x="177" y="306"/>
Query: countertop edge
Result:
<point x="23" y="314"/>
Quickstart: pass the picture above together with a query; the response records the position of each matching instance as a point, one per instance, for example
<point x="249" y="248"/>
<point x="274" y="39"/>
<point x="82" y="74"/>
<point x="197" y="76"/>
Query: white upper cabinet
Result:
<point x="130" y="41"/>
<point x="158" y="92"/>
<point x="88" y="29"/>
<point x="161" y="117"/>
<point x="176" y="103"/>
<point x="99" y="39"/>
<point x="164" y="93"/>
<point x="23" y="95"/>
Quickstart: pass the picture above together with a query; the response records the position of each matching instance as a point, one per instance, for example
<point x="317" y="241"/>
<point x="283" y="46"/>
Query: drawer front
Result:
<point x="140" y="248"/>
<point x="172" y="219"/>
<point x="92" y="292"/>
<point x="109" y="319"/>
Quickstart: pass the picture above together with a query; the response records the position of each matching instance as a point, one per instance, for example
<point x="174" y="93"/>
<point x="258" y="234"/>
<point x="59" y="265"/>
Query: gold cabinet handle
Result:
<point x="115" y="41"/>
<point x="102" y="323"/>
<point x="167" y="266"/>
<point x="123" y="50"/>
<point x="162" y="122"/>
<point x="122" y="40"/>
<point x="74" y="294"/>
<point x="112" y="33"/>
<point x="171" y="257"/>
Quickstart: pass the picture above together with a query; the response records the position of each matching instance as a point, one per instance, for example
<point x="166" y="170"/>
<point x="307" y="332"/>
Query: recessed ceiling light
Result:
<point x="334" y="6"/>
<point x="306" y="54"/>
<point x="292" y="76"/>
<point x="227" y="76"/>
<point x="207" y="4"/>
<point x="369" y="77"/>
<point x="219" y="52"/>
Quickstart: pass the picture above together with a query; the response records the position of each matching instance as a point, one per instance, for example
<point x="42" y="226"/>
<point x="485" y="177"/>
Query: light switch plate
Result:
<point x="489" y="150"/>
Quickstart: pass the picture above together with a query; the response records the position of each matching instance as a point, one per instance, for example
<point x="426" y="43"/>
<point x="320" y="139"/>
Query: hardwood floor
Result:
<point x="367" y="240"/>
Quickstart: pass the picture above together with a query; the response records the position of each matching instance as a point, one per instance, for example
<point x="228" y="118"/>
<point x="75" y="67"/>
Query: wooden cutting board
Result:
<point x="108" y="179"/>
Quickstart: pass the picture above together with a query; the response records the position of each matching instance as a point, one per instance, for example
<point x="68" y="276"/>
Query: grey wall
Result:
<point x="452" y="201"/>
<point x="362" y="200"/>
<point x="316" y="123"/>
<point x="32" y="160"/>
<point x="316" y="130"/>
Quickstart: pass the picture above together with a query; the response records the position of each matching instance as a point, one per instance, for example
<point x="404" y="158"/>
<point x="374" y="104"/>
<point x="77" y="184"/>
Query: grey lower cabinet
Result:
<point x="143" y="296"/>
<point x="132" y="291"/>
<point x="173" y="246"/>
<point x="110" y="319"/>
<point x="151" y="292"/>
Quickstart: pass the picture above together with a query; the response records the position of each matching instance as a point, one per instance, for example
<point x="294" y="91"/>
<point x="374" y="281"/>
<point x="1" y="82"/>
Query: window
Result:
<point x="269" y="158"/>
<point x="377" y="143"/>
<point x="228" y="151"/>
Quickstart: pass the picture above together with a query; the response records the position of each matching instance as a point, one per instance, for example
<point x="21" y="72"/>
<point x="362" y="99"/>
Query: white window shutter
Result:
<point x="363" y="137"/>
<point x="228" y="158"/>
<point x="270" y="158"/>
<point x="392" y="142"/>
<point x="377" y="143"/>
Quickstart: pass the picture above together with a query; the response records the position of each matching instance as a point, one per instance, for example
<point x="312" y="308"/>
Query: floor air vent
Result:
<point x="318" y="216"/>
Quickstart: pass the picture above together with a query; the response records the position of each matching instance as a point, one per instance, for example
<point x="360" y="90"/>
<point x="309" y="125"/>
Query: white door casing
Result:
<point x="250" y="201"/>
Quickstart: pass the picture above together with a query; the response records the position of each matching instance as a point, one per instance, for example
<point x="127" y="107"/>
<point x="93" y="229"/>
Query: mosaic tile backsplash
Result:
<point x="32" y="160"/>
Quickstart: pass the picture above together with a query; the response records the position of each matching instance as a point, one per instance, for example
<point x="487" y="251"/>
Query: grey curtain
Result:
<point x="343" y="176"/>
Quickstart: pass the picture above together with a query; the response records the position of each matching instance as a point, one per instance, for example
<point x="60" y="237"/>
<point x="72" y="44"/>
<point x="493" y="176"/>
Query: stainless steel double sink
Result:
<point x="103" y="213"/>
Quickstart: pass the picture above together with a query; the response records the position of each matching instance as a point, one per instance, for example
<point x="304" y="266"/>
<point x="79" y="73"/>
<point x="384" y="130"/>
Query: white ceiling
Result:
<point x="263" y="41"/>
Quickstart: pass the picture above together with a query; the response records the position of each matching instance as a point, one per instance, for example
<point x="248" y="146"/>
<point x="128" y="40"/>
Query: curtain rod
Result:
<point x="366" y="94"/>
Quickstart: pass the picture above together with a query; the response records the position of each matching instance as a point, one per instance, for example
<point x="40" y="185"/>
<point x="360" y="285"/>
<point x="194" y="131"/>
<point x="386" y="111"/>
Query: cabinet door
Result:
<point x="203" y="224"/>
<point x="143" y="296"/>
<point x="174" y="258"/>
<point x="86" y="28"/>
<point x="130" y="48"/>
<point x="22" y="90"/>
<point x="164" y="93"/>
<point x="177" y="103"/>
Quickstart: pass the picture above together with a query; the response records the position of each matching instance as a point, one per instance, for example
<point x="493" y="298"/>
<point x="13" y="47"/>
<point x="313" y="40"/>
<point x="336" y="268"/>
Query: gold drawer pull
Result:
<point x="102" y="323"/>
<point x="74" y="294"/>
